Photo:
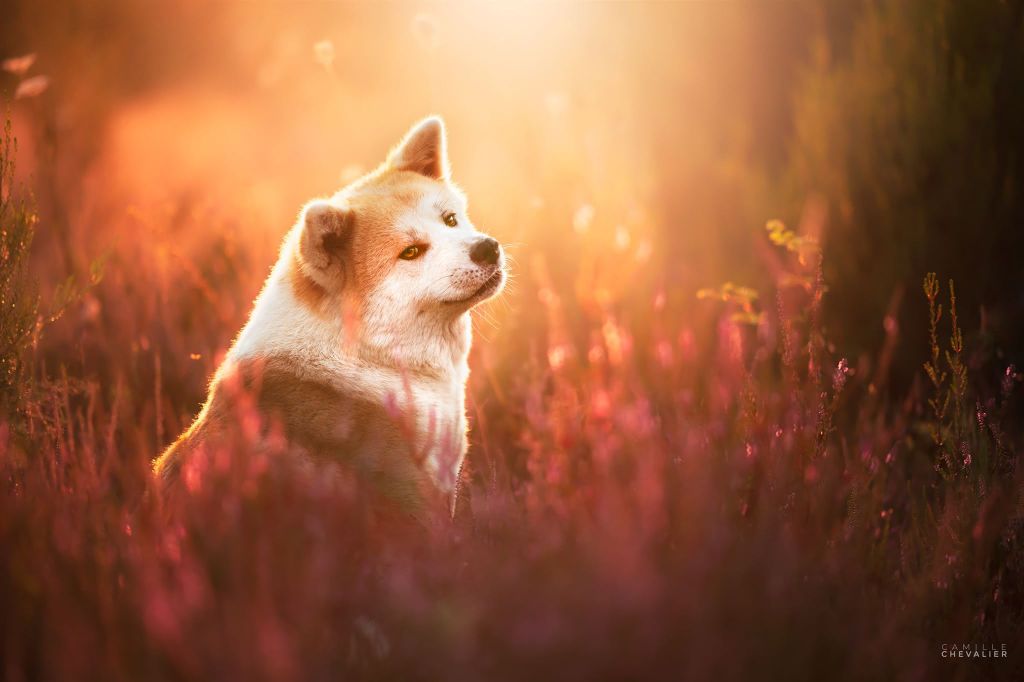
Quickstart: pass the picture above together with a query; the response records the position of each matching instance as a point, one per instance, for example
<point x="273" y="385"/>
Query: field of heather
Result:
<point x="750" y="407"/>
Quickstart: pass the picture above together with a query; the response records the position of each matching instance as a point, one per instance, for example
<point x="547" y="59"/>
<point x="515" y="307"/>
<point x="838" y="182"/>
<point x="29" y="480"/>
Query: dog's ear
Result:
<point x="326" y="234"/>
<point x="423" y="150"/>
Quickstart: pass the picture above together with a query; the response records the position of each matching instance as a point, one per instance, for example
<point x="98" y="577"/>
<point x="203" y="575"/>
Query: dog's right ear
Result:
<point x="326" y="234"/>
<point x="423" y="150"/>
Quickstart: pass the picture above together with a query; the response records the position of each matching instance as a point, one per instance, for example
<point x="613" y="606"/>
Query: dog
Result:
<point x="357" y="347"/>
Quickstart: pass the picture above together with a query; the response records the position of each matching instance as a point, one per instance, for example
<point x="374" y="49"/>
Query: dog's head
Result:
<point x="398" y="243"/>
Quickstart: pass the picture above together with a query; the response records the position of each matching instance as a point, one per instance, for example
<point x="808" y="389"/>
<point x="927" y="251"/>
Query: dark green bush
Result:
<point x="18" y="299"/>
<point x="913" y="137"/>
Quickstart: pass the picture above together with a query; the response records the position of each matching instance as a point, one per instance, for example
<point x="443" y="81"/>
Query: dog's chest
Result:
<point x="440" y="427"/>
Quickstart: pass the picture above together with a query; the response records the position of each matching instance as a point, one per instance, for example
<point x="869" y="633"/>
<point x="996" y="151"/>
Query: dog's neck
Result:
<point x="339" y="348"/>
<point x="432" y="349"/>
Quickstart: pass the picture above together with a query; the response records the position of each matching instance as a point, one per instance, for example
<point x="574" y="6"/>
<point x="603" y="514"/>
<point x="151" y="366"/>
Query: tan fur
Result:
<point x="319" y="425"/>
<point x="307" y="290"/>
<point x="355" y="355"/>
<point x="376" y="203"/>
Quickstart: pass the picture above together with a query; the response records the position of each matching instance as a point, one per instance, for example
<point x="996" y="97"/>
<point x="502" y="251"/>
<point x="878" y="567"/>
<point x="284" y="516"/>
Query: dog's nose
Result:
<point x="485" y="251"/>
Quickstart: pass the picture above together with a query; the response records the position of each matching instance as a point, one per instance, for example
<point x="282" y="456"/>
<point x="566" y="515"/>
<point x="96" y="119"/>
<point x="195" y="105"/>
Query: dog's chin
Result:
<point x="489" y="289"/>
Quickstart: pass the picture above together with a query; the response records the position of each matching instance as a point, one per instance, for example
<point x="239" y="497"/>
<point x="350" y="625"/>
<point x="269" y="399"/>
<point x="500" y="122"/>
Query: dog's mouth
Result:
<point x="485" y="290"/>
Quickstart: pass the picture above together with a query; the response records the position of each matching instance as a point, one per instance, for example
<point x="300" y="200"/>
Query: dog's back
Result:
<point x="267" y="405"/>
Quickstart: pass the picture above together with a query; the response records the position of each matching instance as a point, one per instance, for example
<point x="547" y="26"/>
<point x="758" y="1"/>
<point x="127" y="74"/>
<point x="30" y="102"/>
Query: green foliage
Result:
<point x="912" y="135"/>
<point x="743" y="297"/>
<point x="954" y="433"/>
<point x="70" y="291"/>
<point x="18" y="298"/>
<point x="939" y="402"/>
<point x="782" y="236"/>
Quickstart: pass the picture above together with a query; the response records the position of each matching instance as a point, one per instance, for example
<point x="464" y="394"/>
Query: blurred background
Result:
<point x="683" y="431"/>
<point x="625" y="150"/>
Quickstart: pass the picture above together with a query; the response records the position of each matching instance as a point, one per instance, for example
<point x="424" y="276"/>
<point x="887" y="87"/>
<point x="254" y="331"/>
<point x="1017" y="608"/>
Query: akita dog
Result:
<point x="356" y="348"/>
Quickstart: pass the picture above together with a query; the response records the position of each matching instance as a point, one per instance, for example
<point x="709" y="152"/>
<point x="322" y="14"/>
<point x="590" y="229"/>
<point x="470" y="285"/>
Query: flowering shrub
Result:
<point x="644" y="498"/>
<point x="700" y="448"/>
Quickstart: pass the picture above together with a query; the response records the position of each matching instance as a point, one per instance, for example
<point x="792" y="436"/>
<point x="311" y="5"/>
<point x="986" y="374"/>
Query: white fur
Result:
<point x="412" y="345"/>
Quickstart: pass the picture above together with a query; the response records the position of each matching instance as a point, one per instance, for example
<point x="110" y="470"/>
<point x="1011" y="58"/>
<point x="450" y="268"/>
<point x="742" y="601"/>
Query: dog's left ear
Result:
<point x="424" y="150"/>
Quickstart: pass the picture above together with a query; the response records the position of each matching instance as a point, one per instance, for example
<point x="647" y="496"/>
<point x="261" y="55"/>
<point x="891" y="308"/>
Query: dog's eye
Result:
<point x="412" y="252"/>
<point x="450" y="220"/>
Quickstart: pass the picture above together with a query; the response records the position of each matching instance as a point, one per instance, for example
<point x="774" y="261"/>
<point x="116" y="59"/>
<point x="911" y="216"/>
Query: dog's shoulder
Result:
<point x="327" y="418"/>
<point x="257" y="397"/>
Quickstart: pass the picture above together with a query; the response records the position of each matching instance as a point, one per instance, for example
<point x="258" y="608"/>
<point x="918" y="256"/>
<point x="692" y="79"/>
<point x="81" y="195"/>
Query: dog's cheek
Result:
<point x="397" y="297"/>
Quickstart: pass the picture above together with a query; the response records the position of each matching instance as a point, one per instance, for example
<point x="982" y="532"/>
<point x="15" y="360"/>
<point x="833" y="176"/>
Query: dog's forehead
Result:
<point x="386" y="208"/>
<point x="431" y="199"/>
<point x="385" y="198"/>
